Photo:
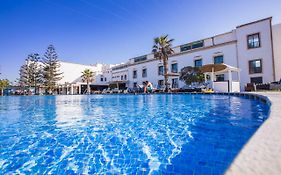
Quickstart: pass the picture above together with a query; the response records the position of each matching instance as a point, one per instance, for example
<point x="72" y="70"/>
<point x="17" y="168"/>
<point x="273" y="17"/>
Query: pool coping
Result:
<point x="262" y="153"/>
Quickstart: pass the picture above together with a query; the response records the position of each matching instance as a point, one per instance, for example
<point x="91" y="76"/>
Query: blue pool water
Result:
<point x="125" y="134"/>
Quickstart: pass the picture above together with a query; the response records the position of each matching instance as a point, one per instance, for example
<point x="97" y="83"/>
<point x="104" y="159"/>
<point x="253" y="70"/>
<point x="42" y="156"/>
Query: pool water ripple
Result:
<point x="125" y="134"/>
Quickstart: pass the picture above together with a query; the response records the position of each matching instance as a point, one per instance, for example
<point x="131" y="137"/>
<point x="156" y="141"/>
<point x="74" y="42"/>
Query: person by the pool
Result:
<point x="148" y="87"/>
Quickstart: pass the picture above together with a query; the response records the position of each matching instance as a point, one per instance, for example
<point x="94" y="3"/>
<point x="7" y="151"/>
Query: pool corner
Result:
<point x="262" y="153"/>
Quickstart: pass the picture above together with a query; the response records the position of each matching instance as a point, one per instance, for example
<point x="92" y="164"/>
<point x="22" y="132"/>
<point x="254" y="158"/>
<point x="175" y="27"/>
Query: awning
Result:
<point x="218" y="68"/>
<point x="172" y="74"/>
<point x="118" y="82"/>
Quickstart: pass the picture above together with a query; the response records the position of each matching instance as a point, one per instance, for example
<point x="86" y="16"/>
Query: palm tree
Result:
<point x="162" y="49"/>
<point x="87" y="76"/>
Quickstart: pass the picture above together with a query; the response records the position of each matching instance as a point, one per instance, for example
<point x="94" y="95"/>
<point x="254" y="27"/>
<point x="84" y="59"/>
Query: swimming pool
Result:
<point x="125" y="134"/>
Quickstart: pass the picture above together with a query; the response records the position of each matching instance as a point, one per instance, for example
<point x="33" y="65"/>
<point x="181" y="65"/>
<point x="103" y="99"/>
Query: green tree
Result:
<point x="191" y="74"/>
<point x="51" y="73"/>
<point x="162" y="49"/>
<point x="23" y="80"/>
<point x="87" y="76"/>
<point x="30" y="72"/>
<point x="3" y="85"/>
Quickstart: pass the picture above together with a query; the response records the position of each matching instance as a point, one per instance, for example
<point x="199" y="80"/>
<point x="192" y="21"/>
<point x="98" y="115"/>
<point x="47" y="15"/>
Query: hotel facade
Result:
<point x="254" y="48"/>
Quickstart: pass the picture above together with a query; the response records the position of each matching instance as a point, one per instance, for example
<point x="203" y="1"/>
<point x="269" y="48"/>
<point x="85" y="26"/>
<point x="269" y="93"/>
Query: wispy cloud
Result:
<point x="104" y="10"/>
<point x="73" y="10"/>
<point x="126" y="10"/>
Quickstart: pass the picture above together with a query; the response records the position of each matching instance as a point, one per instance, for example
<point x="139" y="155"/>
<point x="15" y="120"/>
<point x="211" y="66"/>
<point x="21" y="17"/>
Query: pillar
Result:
<point x="71" y="89"/>
<point x="230" y="80"/>
<point x="79" y="89"/>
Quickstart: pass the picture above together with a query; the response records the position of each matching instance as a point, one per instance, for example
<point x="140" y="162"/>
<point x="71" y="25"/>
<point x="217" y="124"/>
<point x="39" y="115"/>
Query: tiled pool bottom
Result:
<point x="125" y="134"/>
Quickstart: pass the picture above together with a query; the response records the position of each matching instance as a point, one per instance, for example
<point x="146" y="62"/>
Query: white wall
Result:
<point x="118" y="74"/>
<point x="152" y="73"/>
<point x="264" y="52"/>
<point x="233" y="47"/>
<point x="223" y="38"/>
<point x="276" y="31"/>
<point x="183" y="60"/>
<point x="103" y="78"/>
<point x="228" y="51"/>
<point x="72" y="72"/>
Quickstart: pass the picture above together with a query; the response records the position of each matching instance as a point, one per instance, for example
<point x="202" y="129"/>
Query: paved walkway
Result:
<point x="262" y="154"/>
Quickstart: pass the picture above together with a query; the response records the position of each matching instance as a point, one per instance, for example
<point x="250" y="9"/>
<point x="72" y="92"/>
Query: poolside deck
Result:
<point x="262" y="154"/>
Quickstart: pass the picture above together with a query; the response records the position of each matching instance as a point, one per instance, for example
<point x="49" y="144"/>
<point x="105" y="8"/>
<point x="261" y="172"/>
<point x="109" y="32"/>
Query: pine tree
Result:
<point x="23" y="76"/>
<point x="51" y="74"/>
<point x="30" y="72"/>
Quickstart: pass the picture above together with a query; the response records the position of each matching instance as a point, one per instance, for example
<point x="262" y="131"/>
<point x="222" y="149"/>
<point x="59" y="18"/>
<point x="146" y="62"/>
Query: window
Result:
<point x="160" y="70"/>
<point x="218" y="59"/>
<point x="125" y="77"/>
<point x="175" y="83"/>
<point x="141" y="58"/>
<point x="144" y="72"/>
<point x="256" y="80"/>
<point x="220" y="77"/>
<point x="253" y="41"/>
<point x="101" y="79"/>
<point x="193" y="45"/>
<point x="197" y="44"/>
<point x="119" y="67"/>
<point x="174" y="68"/>
<point x="135" y="74"/>
<point x="121" y="77"/>
<point x="185" y="47"/>
<point x="160" y="84"/>
<point x="105" y="79"/>
<point x="255" y="66"/>
<point x="135" y="84"/>
<point x="198" y="63"/>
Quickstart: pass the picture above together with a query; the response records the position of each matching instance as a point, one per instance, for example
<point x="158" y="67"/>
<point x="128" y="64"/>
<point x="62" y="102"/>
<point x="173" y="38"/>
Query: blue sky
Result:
<point x="112" y="31"/>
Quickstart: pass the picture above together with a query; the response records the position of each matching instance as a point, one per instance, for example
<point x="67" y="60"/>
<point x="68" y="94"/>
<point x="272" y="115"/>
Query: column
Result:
<point x="213" y="79"/>
<point x="230" y="80"/>
<point x="71" y="89"/>
<point x="79" y="89"/>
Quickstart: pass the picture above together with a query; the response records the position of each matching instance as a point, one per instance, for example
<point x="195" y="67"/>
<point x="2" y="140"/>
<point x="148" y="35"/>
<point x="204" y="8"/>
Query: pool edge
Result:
<point x="262" y="153"/>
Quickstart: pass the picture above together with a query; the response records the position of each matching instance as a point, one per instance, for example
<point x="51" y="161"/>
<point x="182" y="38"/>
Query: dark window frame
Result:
<point x="177" y="69"/>
<point x="144" y="74"/>
<point x="175" y="85"/>
<point x="198" y="60"/>
<point x="214" y="58"/>
<point x="140" y="58"/>
<point x="135" y="84"/>
<point x="253" y="72"/>
<point x="160" y="85"/>
<point x="252" y="44"/>
<point x="160" y="72"/>
<point x="193" y="45"/>
<point x="220" y="78"/>
<point x="135" y="74"/>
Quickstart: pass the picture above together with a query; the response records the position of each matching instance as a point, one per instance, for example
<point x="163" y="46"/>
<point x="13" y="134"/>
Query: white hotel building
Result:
<point x="254" y="48"/>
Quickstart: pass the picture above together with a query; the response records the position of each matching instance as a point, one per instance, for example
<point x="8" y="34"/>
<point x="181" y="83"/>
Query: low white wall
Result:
<point x="235" y="86"/>
<point x="221" y="86"/>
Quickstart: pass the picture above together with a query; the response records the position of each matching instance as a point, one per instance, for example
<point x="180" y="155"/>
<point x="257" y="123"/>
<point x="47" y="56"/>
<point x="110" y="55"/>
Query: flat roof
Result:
<point x="253" y="22"/>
